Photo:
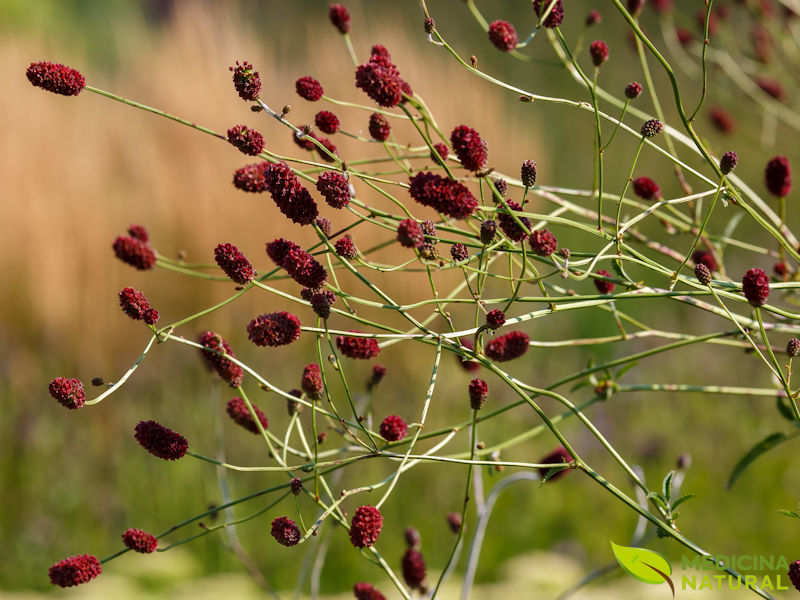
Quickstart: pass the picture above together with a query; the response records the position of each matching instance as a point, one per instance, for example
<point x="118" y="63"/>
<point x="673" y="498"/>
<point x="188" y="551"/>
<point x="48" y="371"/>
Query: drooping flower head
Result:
<point x="470" y="148"/>
<point x="213" y="347"/>
<point x="55" y="78"/>
<point x="134" y="252"/>
<point x="160" y="441"/>
<point x="68" y="392"/>
<point x="237" y="410"/>
<point x="340" y="17"/>
<point x="503" y="36"/>
<point x="274" y="329"/>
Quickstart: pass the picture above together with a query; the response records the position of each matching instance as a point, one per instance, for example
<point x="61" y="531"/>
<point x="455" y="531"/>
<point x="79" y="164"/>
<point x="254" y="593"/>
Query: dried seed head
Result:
<point x="237" y="410"/>
<point x="755" y="286"/>
<point x="478" y="392"/>
<point x="728" y="162"/>
<point x="160" y="441"/>
<point x="55" y="78"/>
<point x="633" y="90"/>
<point x="702" y="273"/>
<point x="365" y="526"/>
<point x="503" y="35"/>
<point x="139" y="541"/>
<point x="68" y="392"/>
<point x="393" y="428"/>
<point x="430" y="25"/>
<point x="285" y="531"/>
<point x="308" y="88"/>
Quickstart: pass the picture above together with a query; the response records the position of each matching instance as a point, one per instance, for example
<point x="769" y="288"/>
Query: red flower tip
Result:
<point x="603" y="286"/>
<point x="443" y="195"/>
<point x="508" y="347"/>
<point x="327" y="122"/>
<point x="478" y="392"/>
<point x="340" y="17"/>
<point x="237" y="410"/>
<point x="771" y="87"/>
<point x="335" y="188"/>
<point x="633" y="90"/>
<point x="379" y="50"/>
<point x="527" y="173"/>
<point x="380" y="79"/>
<point x="442" y="151"/>
<point x="365" y="591"/>
<point x="289" y="195"/>
<point x="213" y="347"/>
<point x="454" y="521"/>
<point x="543" y="242"/>
<point x="652" y="128"/>
<point x="138" y="232"/>
<point x="365" y="526"/>
<point x="755" y="286"/>
<point x="459" y="252"/>
<point x="728" y="162"/>
<point x="299" y="264"/>
<point x="379" y="127"/>
<point x="722" y="119"/>
<point x="413" y="568"/>
<point x="598" y="50"/>
<point x="68" y="392"/>
<point x="248" y="141"/>
<point x="160" y="441"/>
<point x="510" y="226"/>
<point x="308" y="88"/>
<point x="704" y="257"/>
<point x="234" y="263"/>
<point x="321" y="300"/>
<point x="409" y="234"/>
<point x="134" y="252"/>
<point x="274" y="329"/>
<point x="593" y="18"/>
<point x="357" y="347"/>
<point x="794" y="574"/>
<point x="285" y="531"/>
<point x="251" y="178"/>
<point x="246" y="81"/>
<point x="503" y="35"/>
<point x="75" y="570"/>
<point x="470" y="148"/>
<point x="646" y="188"/>
<point x="778" y="176"/>
<point x="139" y="541"/>
<point x="413" y="538"/>
<point x="468" y="365"/>
<point x="346" y="248"/>
<point x="135" y="305"/>
<point x="377" y="375"/>
<point x="393" y="428"/>
<point x="495" y="318"/>
<point x="556" y="457"/>
<point x="55" y="78"/>
<point x="311" y="382"/>
<point x="556" y="16"/>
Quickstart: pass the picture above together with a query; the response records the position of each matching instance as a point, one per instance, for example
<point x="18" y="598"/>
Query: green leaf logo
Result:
<point x="645" y="565"/>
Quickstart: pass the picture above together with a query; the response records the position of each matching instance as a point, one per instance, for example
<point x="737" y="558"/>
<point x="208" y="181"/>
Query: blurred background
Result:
<point x="76" y="172"/>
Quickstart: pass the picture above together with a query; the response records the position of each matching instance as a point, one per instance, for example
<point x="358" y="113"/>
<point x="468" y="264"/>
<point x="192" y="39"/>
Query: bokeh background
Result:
<point x="75" y="172"/>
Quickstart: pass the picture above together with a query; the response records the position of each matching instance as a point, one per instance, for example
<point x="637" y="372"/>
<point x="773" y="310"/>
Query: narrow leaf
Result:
<point x="768" y="443"/>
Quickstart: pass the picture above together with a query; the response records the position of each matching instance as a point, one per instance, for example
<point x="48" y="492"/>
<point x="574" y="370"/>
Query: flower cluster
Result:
<point x="299" y="264"/>
<point x="139" y="541"/>
<point x="365" y="526"/>
<point x="135" y="305"/>
<point x="357" y="347"/>
<point x="274" y="329"/>
<point x="214" y="346"/>
<point x="289" y="195"/>
<point x="56" y="78"/>
<point x="444" y="195"/>
<point x="380" y="79"/>
<point x="160" y="441"/>
<point x="508" y="347"/>
<point x="237" y="410"/>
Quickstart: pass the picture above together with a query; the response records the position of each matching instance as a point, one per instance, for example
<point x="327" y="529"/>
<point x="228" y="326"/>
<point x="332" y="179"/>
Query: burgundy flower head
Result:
<point x="393" y="428"/>
<point x="558" y="456"/>
<point x="335" y="188"/>
<point x="296" y="486"/>
<point x="441" y="150"/>
<point x="794" y="574"/>
<point x="274" y="329"/>
<point x="377" y="375"/>
<point x="528" y="173"/>
<point x="138" y="232"/>
<point x="508" y="347"/>
<point x="633" y="90"/>
<point x="413" y="538"/>
<point x="329" y="146"/>
<point x="380" y="79"/>
<point x="340" y="17"/>
<point x="793" y="347"/>
<point x="289" y="195"/>
<point x="55" y="78"/>
<point x="459" y="252"/>
<point x="379" y="50"/>
<point x="478" y="392"/>
<point x="365" y="526"/>
<point x="721" y="119"/>
<point x="139" y="541"/>
<point x="510" y="226"/>
<point x="135" y="305"/>
<point x="646" y="188"/>
<point x="603" y="286"/>
<point x="248" y="141"/>
<point x="470" y="148"/>
<point x="379" y="127"/>
<point x="311" y="382"/>
<point x="75" y="570"/>
<point x="778" y="176"/>
<point x="598" y="50"/>
<point x="213" y="345"/>
<point x="593" y="18"/>
<point x="303" y="138"/>
<point x="308" y="88"/>
<point x="285" y="531"/>
<point x="327" y="122"/>
<point x="246" y="81"/>
<point x="234" y="263"/>
<point x="413" y="568"/>
<point x="321" y="301"/>
<point x="134" y="252"/>
<point x="160" y="441"/>
<point x="68" y="392"/>
<point x="755" y="286"/>
<point x="299" y="264"/>
<point x="556" y="16"/>
<point x="365" y="591"/>
<point x="704" y="257"/>
<point x="443" y="195"/>
<point x="346" y="248"/>
<point x="652" y="128"/>
<point x="503" y="35"/>
<point x="409" y="234"/>
<point x="781" y="270"/>
<point x="771" y="87"/>
<point x="324" y="225"/>
<point x="728" y="162"/>
<point x="357" y="347"/>
<point x="237" y="410"/>
<point x="488" y="231"/>
<point x="702" y="273"/>
<point x="468" y="365"/>
<point x="251" y="178"/>
<point x="543" y="242"/>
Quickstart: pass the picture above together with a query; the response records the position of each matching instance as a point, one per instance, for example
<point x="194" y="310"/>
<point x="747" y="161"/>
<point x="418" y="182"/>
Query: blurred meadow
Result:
<point x="77" y="171"/>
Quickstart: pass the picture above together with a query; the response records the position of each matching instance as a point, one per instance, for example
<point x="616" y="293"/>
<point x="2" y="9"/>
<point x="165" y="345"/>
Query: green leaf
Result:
<point x="626" y="368"/>
<point x="785" y="411"/>
<point x="680" y="501"/>
<point x="789" y="513"/>
<point x="666" y="486"/>
<point x="641" y="563"/>
<point x="768" y="443"/>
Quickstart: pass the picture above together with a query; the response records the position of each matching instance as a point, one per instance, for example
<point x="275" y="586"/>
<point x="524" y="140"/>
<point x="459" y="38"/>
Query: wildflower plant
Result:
<point x="445" y="208"/>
